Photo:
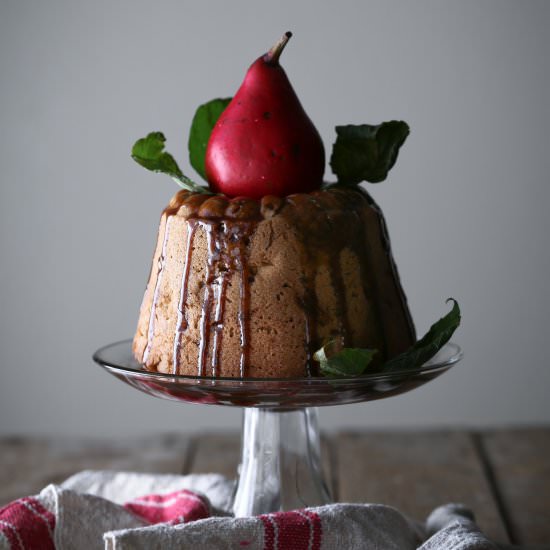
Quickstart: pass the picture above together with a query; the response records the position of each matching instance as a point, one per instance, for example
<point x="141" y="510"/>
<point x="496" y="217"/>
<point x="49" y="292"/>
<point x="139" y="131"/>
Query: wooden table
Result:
<point x="503" y="475"/>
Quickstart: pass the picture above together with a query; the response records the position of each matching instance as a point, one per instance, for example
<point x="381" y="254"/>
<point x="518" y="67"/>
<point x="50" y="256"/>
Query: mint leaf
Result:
<point x="149" y="152"/>
<point x="204" y="121"/>
<point x="438" y="335"/>
<point x="367" y="152"/>
<point x="354" y="361"/>
<point x="346" y="362"/>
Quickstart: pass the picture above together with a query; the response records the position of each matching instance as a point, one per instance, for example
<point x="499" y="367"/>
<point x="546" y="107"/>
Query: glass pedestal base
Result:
<point x="280" y="462"/>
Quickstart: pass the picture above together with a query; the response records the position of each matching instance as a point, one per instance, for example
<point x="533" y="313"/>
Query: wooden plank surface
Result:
<point x="218" y="453"/>
<point x="416" y="472"/>
<point x="520" y="464"/>
<point x="27" y="465"/>
<point x="503" y="475"/>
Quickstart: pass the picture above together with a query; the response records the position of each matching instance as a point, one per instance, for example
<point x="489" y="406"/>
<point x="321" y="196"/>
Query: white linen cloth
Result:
<point x="109" y="510"/>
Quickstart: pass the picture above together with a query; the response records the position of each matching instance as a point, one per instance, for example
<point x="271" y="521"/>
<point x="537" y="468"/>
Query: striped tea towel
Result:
<point x="122" y="510"/>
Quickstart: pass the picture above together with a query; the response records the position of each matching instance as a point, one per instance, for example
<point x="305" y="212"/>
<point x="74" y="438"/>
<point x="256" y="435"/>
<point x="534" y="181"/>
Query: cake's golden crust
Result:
<point x="240" y="287"/>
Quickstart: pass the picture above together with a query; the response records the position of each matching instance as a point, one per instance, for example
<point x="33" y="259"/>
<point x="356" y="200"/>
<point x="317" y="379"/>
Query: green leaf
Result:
<point x="438" y="335"/>
<point x="355" y="361"/>
<point x="204" y="121"/>
<point x="367" y="152"/>
<point x="346" y="362"/>
<point x="149" y="152"/>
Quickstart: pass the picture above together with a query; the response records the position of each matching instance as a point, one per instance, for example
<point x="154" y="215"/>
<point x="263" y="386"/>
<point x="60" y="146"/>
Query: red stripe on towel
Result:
<point x="269" y="532"/>
<point x="298" y="530"/>
<point x="178" y="507"/>
<point x="25" y="523"/>
<point x="317" y="529"/>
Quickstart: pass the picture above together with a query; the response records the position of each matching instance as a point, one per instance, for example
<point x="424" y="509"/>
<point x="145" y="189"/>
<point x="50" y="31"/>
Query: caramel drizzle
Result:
<point x="337" y="283"/>
<point x="309" y="307"/>
<point x="227" y="251"/>
<point x="181" y="323"/>
<point x="244" y="309"/>
<point x="375" y="293"/>
<point x="207" y="302"/>
<point x="160" y="271"/>
<point x="339" y="292"/>
<point x="311" y="337"/>
<point x="341" y="298"/>
<point x="218" y="322"/>
<point x="387" y="248"/>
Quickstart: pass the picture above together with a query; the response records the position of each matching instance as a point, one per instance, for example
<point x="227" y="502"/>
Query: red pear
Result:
<point x="264" y="143"/>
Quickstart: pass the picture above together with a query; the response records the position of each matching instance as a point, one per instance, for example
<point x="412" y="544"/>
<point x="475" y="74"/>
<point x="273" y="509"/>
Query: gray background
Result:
<point x="466" y="204"/>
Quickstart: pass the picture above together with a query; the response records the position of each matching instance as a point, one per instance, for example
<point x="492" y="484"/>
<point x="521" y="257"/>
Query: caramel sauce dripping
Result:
<point x="160" y="271"/>
<point x="321" y="251"/>
<point x="310" y="337"/>
<point x="181" y="323"/>
<point x="218" y="322"/>
<point x="227" y="228"/>
<point x="387" y="248"/>
<point x="244" y="307"/>
<point x="308" y="303"/>
<point x="335" y="273"/>
<point x="207" y="301"/>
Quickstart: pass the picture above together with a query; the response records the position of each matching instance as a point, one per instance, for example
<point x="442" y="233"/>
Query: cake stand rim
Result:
<point x="448" y="361"/>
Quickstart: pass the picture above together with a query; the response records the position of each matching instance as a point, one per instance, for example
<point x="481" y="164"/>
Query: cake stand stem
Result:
<point x="280" y="462"/>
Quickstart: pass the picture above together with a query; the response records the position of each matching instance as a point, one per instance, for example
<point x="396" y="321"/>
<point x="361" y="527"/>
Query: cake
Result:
<point x="252" y="288"/>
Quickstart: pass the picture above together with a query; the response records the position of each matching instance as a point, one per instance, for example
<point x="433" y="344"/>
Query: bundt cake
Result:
<point x="252" y="288"/>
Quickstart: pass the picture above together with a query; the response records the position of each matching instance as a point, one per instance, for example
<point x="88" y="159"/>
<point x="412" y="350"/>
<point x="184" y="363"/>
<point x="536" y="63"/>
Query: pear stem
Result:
<point x="272" y="56"/>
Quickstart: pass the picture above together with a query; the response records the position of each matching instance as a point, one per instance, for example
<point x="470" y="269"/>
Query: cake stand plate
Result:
<point x="280" y="457"/>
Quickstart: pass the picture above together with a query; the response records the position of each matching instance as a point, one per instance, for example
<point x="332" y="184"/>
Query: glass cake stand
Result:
<point x="281" y="453"/>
